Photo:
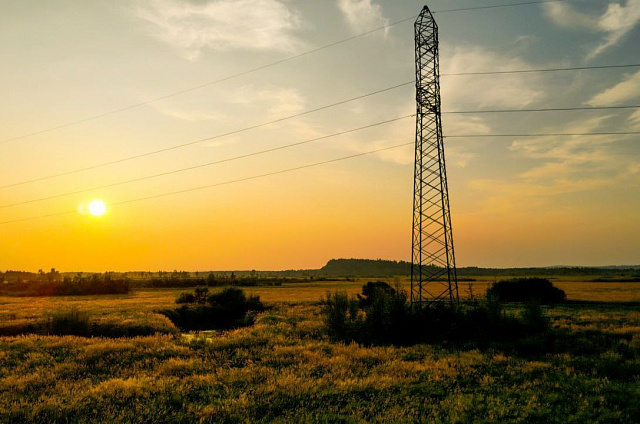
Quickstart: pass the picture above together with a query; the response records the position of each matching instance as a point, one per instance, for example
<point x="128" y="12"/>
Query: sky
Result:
<point x="515" y="201"/>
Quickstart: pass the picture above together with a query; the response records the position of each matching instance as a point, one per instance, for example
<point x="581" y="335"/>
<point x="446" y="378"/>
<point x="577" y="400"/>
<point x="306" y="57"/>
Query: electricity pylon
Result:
<point x="433" y="263"/>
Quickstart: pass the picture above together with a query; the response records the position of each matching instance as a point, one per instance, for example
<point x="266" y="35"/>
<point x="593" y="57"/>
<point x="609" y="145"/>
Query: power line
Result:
<point x="302" y="114"/>
<point x="317" y="110"/>
<point x="254" y="177"/>
<point x="259" y="68"/>
<point x="261" y="152"/>
<point x="207" y="84"/>
<point x="286" y="146"/>
<point x="190" y="143"/>
<point x="543" y="134"/>
<point x="464" y="9"/>
<point x="318" y="164"/>
<point x="550" y="109"/>
<point x="526" y="71"/>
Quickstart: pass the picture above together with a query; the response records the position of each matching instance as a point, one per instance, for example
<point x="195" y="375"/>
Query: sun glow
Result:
<point x="97" y="208"/>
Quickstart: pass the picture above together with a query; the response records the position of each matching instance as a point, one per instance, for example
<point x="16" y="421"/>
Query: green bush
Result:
<point x="339" y="314"/>
<point x="228" y="309"/>
<point x="525" y="290"/>
<point x="185" y="297"/>
<point x="382" y="314"/>
<point x="534" y="317"/>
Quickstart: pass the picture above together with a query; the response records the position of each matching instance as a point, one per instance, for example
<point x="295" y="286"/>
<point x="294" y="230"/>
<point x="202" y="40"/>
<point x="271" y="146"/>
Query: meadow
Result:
<point x="286" y="369"/>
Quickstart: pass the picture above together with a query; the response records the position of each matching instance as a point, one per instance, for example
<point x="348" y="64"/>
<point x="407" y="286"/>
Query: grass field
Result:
<point x="285" y="369"/>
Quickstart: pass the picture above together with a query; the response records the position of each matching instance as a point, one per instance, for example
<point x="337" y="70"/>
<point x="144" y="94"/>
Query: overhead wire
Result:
<point x="190" y="143"/>
<point x="191" y="168"/>
<point x="297" y="168"/>
<point x="307" y="112"/>
<point x="253" y="177"/>
<point x="259" y="68"/>
<point x="328" y="106"/>
<point x="286" y="146"/>
<point x="526" y="71"/>
<point x="547" y="109"/>
<point x="587" y="134"/>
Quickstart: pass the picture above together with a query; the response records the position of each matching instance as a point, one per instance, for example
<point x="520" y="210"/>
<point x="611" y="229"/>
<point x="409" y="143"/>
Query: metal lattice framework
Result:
<point x="433" y="263"/>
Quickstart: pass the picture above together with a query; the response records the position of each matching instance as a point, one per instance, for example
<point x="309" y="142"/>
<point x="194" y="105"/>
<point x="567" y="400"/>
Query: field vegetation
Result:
<point x="53" y="284"/>
<point x="382" y="314"/>
<point x="230" y="308"/>
<point x="287" y="366"/>
<point x="540" y="290"/>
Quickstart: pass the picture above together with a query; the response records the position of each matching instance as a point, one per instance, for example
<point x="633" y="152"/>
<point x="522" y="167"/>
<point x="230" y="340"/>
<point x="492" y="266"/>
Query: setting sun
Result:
<point x="97" y="208"/>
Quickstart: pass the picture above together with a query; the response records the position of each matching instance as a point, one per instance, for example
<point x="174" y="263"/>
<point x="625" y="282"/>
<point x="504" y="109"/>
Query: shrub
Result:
<point x="339" y="313"/>
<point x="200" y="295"/>
<point x="69" y="322"/>
<point x="185" y="297"/>
<point x="224" y="310"/>
<point x="534" y="317"/>
<point x="387" y="313"/>
<point x="382" y="314"/>
<point x="230" y="298"/>
<point x="538" y="290"/>
<point x="374" y="290"/>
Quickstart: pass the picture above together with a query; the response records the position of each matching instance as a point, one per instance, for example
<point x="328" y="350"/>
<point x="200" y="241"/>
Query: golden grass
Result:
<point x="144" y="302"/>
<point x="284" y="369"/>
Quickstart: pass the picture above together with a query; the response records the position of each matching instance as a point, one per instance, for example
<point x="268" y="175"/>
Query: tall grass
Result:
<point x="382" y="314"/>
<point x="285" y="369"/>
<point x="70" y="321"/>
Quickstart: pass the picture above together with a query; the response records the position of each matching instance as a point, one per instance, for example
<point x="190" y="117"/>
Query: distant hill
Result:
<point x="364" y="268"/>
<point x="387" y="268"/>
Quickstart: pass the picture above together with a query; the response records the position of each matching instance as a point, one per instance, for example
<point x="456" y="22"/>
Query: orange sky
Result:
<point x="515" y="201"/>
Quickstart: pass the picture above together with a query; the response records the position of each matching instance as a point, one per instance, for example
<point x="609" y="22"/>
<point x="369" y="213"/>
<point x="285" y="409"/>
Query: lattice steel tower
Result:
<point x="433" y="263"/>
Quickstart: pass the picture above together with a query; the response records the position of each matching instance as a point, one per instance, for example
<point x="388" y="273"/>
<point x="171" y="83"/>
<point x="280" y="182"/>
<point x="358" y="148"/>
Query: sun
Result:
<point x="97" y="208"/>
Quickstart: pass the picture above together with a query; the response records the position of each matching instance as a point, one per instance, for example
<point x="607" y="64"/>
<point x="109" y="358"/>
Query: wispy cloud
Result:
<point x="362" y="15"/>
<point x="615" y="22"/>
<point x="624" y="91"/>
<point x="635" y="120"/>
<point x="561" y="166"/>
<point x="562" y="14"/>
<point x="222" y="25"/>
<point x="510" y="90"/>
<point x="188" y="114"/>
<point x="278" y="102"/>
<point x="564" y="165"/>
<point x="231" y="108"/>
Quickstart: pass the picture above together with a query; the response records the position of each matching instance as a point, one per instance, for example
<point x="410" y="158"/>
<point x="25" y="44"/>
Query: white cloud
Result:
<point x="621" y="92"/>
<point x="456" y="154"/>
<point x="460" y="155"/>
<point x="566" y="16"/>
<point x="362" y="15"/>
<point x="562" y="147"/>
<point x="562" y="165"/>
<point x="276" y="101"/>
<point x="463" y="124"/>
<point x="615" y="22"/>
<point x="189" y="114"/>
<point x="266" y="103"/>
<point x="510" y="90"/>
<point x="567" y="164"/>
<point x="222" y="25"/>
<point x="635" y="120"/>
